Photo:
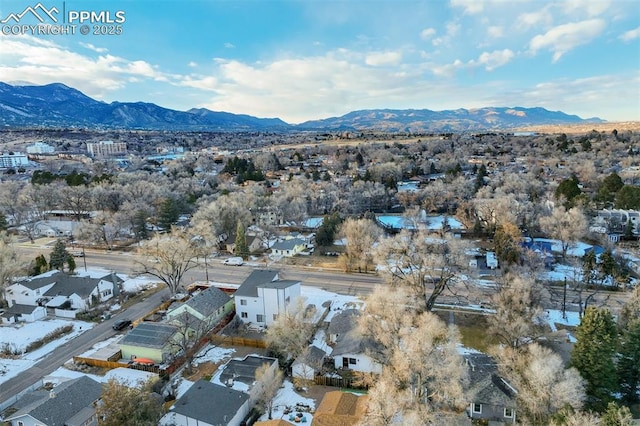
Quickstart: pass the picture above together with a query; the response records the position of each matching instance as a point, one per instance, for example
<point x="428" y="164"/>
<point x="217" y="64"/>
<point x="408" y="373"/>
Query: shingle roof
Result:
<point x="289" y="244"/>
<point x="69" y="398"/>
<point x="486" y="387"/>
<point x="149" y="335"/>
<point x="244" y="370"/>
<point x="340" y="409"/>
<point x="20" y="309"/>
<point x="250" y="285"/>
<point x="208" y="301"/>
<point x="344" y="322"/>
<point x="210" y="403"/>
<point x="352" y="343"/>
<point x="314" y="356"/>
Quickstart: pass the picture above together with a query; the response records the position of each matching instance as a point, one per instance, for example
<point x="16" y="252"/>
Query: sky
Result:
<point x="312" y="59"/>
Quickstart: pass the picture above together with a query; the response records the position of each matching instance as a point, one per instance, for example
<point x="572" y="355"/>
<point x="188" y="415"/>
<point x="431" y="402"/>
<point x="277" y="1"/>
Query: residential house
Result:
<point x="289" y="247"/>
<point x="340" y="408"/>
<point x="493" y="398"/>
<point x="55" y="289"/>
<point x="27" y="313"/>
<point x="263" y="296"/>
<point x="207" y="307"/>
<point x="307" y="365"/>
<point x="342" y="323"/>
<point x="150" y="340"/>
<point x="352" y="351"/>
<point x="71" y="403"/>
<point x="244" y="371"/>
<point x="208" y="404"/>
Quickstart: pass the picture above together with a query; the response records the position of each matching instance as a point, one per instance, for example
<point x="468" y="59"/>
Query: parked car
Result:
<point x="121" y="324"/>
<point x="234" y="261"/>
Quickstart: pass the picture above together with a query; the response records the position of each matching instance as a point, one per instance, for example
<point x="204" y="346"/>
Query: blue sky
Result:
<point x="311" y="59"/>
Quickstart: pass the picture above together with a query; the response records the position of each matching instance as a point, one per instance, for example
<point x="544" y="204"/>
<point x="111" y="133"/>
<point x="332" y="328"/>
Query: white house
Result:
<point x="289" y="248"/>
<point x="307" y="365"/>
<point x="263" y="296"/>
<point x="26" y="313"/>
<point x="351" y="352"/>
<point x="56" y="289"/>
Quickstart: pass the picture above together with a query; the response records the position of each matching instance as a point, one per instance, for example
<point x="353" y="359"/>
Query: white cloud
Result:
<point x="630" y="35"/>
<point x="229" y="45"/>
<point x="192" y="64"/>
<point x="589" y="7"/>
<point x="566" y="37"/>
<point x="427" y="33"/>
<point x="41" y="62"/>
<point x="540" y="17"/>
<point x="94" y="48"/>
<point x="447" y="70"/>
<point x="495" y="59"/>
<point x="470" y="7"/>
<point x="377" y="59"/>
<point x="495" y="31"/>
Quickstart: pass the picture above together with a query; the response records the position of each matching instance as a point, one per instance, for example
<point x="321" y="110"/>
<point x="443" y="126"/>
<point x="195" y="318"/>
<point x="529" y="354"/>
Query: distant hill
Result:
<point x="445" y="121"/>
<point x="57" y="105"/>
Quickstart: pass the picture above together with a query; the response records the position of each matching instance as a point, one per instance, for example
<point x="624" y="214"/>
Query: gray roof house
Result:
<point x="71" y="403"/>
<point x="209" y="307"/>
<point x="25" y="313"/>
<point x="307" y="365"/>
<point x="54" y="288"/>
<point x="493" y="398"/>
<point x="263" y="296"/>
<point x="352" y="351"/>
<point x="289" y="247"/>
<point x="209" y="404"/>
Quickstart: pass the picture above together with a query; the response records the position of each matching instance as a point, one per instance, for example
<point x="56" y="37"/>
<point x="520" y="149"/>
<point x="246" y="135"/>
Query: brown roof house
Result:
<point x="340" y="409"/>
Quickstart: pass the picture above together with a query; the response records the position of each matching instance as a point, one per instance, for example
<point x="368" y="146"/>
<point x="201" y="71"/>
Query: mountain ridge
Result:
<point x="58" y="105"/>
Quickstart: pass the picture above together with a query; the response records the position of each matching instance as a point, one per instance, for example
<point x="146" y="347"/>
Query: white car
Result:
<point x="234" y="261"/>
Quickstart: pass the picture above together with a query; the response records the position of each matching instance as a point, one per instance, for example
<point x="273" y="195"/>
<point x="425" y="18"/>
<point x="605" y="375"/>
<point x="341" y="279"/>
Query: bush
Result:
<point x="58" y="332"/>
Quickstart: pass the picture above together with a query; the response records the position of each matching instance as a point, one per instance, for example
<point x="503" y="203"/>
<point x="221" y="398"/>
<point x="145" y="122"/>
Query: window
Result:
<point x="243" y="302"/>
<point x="477" y="408"/>
<point x="20" y="423"/>
<point x="259" y="318"/>
<point x="508" y="412"/>
<point x="352" y="361"/>
<point x="243" y="315"/>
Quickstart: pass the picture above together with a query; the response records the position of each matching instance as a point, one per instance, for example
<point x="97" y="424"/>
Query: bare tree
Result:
<point x="519" y="315"/>
<point x="191" y="332"/>
<point x="269" y="378"/>
<point x="168" y="258"/>
<point x="567" y="226"/>
<point x="423" y="263"/>
<point x="543" y="385"/>
<point x="10" y="265"/>
<point x="360" y="234"/>
<point x="123" y="404"/>
<point x="289" y="334"/>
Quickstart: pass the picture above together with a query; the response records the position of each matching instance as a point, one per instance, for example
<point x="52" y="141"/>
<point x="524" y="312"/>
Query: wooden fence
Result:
<point x="238" y="341"/>
<point x="338" y="382"/>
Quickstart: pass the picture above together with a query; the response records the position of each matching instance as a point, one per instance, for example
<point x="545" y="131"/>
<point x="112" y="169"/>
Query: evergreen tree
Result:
<point x="616" y="415"/>
<point x="39" y="265"/>
<point x="168" y="214"/>
<point x="241" y="248"/>
<point x="60" y="256"/>
<point x="629" y="362"/>
<point x="568" y="189"/>
<point x="609" y="187"/>
<point x="325" y="235"/>
<point x="139" y="225"/>
<point x="3" y="222"/>
<point x="593" y="356"/>
<point x="628" y="197"/>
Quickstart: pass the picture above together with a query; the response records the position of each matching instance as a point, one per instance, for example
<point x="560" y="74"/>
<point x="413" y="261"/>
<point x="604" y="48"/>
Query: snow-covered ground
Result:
<point x="20" y="335"/>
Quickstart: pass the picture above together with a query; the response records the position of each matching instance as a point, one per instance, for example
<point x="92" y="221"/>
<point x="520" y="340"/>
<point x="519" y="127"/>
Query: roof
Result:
<point x="198" y="401"/>
<point x="344" y="322"/>
<point x="18" y="309"/>
<point x="149" y="335"/>
<point x="486" y="387"/>
<point x="249" y="286"/>
<point x="274" y="422"/>
<point x="352" y="343"/>
<point x="244" y="370"/>
<point x="340" y="409"/>
<point x="64" y="401"/>
<point x="82" y="286"/>
<point x="208" y="301"/>
<point x="289" y="244"/>
<point x="314" y="356"/>
<point x="66" y="280"/>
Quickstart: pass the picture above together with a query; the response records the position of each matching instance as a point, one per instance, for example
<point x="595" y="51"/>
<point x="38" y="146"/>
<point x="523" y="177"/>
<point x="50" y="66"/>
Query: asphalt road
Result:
<point x="78" y="345"/>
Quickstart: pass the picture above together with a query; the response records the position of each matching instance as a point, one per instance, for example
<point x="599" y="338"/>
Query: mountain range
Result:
<point x="57" y="105"/>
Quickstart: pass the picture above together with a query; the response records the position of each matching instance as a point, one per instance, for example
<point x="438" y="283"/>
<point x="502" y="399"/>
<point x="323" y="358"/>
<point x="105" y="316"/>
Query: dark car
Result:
<point x="121" y="324"/>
